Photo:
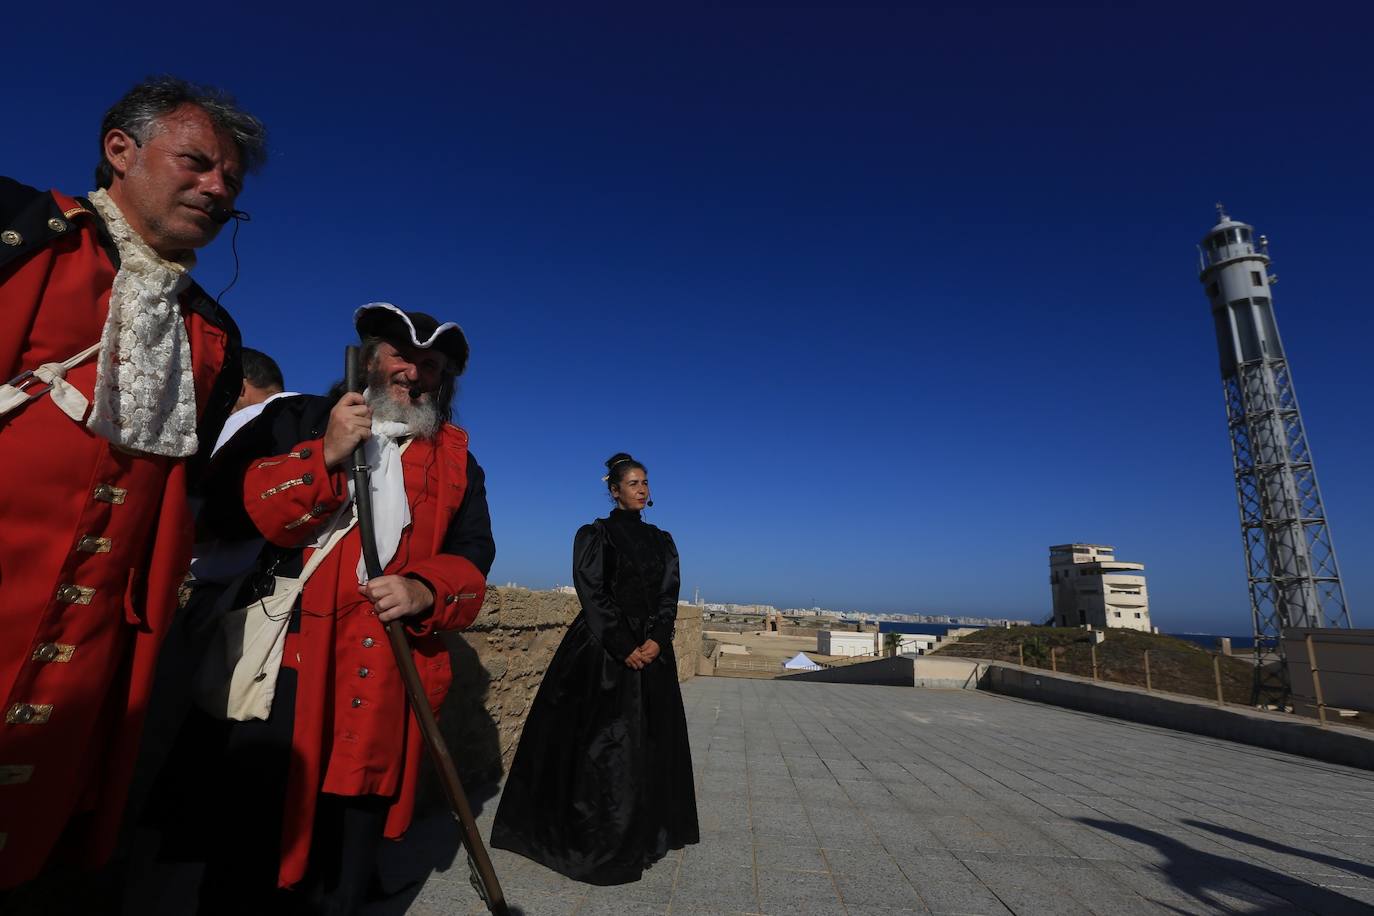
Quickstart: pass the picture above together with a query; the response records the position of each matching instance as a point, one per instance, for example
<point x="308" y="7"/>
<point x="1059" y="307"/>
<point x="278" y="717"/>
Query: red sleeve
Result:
<point x="458" y="587"/>
<point x="289" y="496"/>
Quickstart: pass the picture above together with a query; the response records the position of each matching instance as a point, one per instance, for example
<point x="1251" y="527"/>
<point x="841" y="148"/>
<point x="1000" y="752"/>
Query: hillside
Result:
<point x="1176" y="665"/>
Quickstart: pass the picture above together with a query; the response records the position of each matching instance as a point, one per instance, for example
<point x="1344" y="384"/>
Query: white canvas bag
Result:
<point x="238" y="676"/>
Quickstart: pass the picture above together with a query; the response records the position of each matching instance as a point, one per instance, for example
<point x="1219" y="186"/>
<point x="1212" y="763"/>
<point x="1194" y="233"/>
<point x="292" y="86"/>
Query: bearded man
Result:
<point x="304" y="797"/>
<point x="122" y="373"/>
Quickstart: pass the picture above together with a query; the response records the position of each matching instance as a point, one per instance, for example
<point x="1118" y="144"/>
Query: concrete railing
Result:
<point x="903" y="671"/>
<point x="1332" y="671"/>
<point x="1276" y="731"/>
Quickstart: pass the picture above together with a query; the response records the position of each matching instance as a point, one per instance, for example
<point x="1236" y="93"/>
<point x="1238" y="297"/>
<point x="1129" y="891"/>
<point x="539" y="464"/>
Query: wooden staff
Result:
<point x="486" y="883"/>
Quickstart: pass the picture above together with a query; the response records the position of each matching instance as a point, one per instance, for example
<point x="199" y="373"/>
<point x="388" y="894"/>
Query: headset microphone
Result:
<point x="222" y="215"/>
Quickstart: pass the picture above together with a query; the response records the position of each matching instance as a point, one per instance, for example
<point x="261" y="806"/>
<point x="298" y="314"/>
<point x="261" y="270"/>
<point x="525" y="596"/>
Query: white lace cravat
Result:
<point x="390" y="508"/>
<point x="145" y="393"/>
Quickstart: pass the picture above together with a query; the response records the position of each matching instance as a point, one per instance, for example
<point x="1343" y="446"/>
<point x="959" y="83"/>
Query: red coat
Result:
<point x="352" y="732"/>
<point x="94" y="541"/>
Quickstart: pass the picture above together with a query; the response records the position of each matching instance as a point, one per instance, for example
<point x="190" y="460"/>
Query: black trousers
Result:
<point x="219" y="809"/>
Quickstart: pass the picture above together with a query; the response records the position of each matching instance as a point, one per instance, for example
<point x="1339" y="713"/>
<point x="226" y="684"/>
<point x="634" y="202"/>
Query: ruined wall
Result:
<point x="498" y="664"/>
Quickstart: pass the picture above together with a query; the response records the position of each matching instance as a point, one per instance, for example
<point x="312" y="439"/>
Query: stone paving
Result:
<point x="879" y="801"/>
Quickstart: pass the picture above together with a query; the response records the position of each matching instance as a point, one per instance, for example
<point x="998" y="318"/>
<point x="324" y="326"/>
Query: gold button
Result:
<point x="10" y="237"/>
<point x="57" y="225"/>
<point x="368" y="642"/>
<point x="450" y="599"/>
<point x="307" y="478"/>
<point x="108" y="493"/>
<point x="304" y="453"/>
<point x="28" y="713"/>
<point x="75" y="594"/>
<point x="53" y="652"/>
<point x="92" y="544"/>
<point x="362" y="672"/>
<point x="357" y="702"/>
<point x="318" y="510"/>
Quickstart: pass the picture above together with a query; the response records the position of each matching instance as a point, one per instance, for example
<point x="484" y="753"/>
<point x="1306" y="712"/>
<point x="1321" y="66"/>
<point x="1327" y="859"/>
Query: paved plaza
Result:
<point x="828" y="798"/>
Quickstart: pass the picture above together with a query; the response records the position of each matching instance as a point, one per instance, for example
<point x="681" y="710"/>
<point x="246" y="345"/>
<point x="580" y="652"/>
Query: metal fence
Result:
<point x="1187" y="672"/>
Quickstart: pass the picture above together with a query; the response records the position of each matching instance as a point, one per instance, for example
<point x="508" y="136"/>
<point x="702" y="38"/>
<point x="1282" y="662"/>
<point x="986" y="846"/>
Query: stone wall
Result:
<point x="498" y="664"/>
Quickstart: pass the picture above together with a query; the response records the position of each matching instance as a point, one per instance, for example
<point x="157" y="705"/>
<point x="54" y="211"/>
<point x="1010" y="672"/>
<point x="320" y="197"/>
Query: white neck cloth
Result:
<point x="145" y="394"/>
<point x="390" y="507"/>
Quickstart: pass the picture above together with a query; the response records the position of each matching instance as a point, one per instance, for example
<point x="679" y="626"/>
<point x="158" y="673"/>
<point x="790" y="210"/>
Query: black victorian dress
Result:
<point x="601" y="784"/>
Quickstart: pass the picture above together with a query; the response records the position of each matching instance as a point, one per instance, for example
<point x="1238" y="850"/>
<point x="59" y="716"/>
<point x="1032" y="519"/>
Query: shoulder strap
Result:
<point x="324" y="549"/>
<point x="337" y="535"/>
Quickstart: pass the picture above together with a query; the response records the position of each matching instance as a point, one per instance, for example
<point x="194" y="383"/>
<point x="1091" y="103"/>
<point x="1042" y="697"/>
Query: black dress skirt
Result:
<point x="601" y="785"/>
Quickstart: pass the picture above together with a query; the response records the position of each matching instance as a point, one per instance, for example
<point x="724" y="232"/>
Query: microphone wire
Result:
<point x="239" y="217"/>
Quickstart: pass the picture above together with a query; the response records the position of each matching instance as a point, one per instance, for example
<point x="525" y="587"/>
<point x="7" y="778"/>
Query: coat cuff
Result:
<point x="458" y="587"/>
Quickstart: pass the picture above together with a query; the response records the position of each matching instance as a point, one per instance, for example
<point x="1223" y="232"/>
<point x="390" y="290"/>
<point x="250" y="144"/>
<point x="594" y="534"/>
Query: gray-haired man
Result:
<point x="122" y="372"/>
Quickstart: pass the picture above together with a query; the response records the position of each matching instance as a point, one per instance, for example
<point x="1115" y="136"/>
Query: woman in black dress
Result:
<point x="601" y="784"/>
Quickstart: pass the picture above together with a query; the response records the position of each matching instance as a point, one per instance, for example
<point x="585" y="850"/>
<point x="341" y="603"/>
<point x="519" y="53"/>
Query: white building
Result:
<point x="1091" y="587"/>
<point x="841" y="642"/>
<point x="915" y="643"/>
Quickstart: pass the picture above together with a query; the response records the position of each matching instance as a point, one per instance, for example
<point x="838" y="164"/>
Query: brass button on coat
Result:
<point x="75" y="594"/>
<point x="92" y="544"/>
<point x="305" y="453"/>
<point x="10" y="237"/>
<point x="368" y="642"/>
<point x="28" y="713"/>
<point x="318" y="510"/>
<point x="362" y="672"/>
<point x="53" y="652"/>
<point x="57" y="225"/>
<point x="357" y="702"/>
<point x="108" y="493"/>
<point x="307" y="478"/>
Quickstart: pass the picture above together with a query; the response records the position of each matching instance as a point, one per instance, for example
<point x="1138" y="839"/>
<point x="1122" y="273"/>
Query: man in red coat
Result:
<point x="122" y="372"/>
<point x="304" y="797"/>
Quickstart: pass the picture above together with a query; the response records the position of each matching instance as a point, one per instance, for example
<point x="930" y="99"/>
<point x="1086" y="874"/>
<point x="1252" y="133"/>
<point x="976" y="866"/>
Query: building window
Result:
<point x="1256" y="279"/>
<point x="1137" y="615"/>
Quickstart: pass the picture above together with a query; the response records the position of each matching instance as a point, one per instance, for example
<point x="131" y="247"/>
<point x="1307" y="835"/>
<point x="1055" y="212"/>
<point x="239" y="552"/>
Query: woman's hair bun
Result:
<point x="617" y="466"/>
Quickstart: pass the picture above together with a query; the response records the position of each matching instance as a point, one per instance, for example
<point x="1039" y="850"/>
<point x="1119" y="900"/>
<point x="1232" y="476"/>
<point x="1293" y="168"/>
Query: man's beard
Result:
<point x="420" y="414"/>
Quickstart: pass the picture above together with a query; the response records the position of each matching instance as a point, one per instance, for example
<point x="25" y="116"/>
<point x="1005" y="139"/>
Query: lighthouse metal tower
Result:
<point x="1290" y="562"/>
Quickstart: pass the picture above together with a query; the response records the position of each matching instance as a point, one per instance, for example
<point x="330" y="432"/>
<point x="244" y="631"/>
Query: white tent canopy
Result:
<point x="800" y="662"/>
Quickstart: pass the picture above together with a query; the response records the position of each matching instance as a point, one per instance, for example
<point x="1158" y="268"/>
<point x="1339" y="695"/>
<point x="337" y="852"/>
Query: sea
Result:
<point x="1206" y="640"/>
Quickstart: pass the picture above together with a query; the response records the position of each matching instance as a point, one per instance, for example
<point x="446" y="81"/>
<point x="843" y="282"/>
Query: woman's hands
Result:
<point x="642" y="655"/>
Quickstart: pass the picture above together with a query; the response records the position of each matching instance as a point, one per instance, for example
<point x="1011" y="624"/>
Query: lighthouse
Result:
<point x="1290" y="562"/>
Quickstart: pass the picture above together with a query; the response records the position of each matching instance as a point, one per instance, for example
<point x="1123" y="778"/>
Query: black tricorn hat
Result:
<point x="384" y="320"/>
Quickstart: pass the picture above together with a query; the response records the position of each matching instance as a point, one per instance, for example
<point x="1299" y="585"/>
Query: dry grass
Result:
<point x="1176" y="665"/>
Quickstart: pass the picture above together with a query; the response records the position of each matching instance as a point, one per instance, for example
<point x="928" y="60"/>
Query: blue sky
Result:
<point x="888" y="301"/>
